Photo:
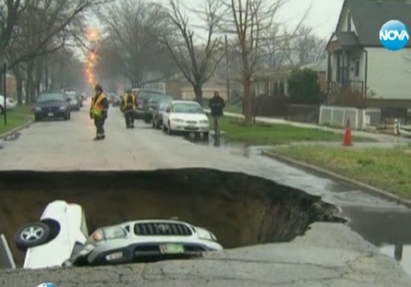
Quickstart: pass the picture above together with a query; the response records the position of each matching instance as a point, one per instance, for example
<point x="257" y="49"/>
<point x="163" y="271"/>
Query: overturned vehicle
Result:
<point x="60" y="238"/>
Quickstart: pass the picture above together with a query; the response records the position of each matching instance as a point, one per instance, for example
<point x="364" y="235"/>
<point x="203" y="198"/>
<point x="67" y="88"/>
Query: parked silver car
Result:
<point x="144" y="240"/>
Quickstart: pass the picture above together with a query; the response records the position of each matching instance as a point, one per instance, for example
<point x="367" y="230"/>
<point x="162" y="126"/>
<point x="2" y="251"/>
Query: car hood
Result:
<point x="53" y="104"/>
<point x="189" y="117"/>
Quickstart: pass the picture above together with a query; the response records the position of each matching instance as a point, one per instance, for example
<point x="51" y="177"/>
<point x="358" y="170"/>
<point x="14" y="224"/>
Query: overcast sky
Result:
<point x="322" y="17"/>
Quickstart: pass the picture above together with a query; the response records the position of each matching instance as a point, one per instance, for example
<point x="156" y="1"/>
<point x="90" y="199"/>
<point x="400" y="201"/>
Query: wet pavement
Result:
<point x="68" y="146"/>
<point x="383" y="223"/>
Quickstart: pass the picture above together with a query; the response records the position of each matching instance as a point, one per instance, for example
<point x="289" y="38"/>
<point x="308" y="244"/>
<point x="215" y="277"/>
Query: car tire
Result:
<point x="32" y="234"/>
<point x="66" y="117"/>
<point x="37" y="118"/>
<point x="1" y="110"/>
<point x="169" y="130"/>
<point x="164" y="128"/>
<point x="206" y="135"/>
<point x="153" y="124"/>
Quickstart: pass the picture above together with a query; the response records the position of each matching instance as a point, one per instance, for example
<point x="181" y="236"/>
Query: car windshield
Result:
<point x="187" y="108"/>
<point x="49" y="97"/>
<point x="163" y="105"/>
<point x="148" y="94"/>
<point x="159" y="97"/>
<point x="71" y="96"/>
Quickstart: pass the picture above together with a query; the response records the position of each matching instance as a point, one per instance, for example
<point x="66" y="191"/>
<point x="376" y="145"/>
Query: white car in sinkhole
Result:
<point x="144" y="240"/>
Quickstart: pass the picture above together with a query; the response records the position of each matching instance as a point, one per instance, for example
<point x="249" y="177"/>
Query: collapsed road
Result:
<point x="327" y="254"/>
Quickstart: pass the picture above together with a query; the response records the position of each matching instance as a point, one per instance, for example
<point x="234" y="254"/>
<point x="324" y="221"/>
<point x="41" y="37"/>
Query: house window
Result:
<point x="357" y="68"/>
<point x="349" y="22"/>
<point x="342" y="67"/>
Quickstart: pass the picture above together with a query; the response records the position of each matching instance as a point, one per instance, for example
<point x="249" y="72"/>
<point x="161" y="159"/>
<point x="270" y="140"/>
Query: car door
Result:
<point x="166" y="115"/>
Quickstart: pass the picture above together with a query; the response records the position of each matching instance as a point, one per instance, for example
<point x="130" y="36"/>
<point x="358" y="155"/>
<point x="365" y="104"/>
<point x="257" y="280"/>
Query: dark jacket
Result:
<point x="128" y="103"/>
<point x="216" y="104"/>
<point x="104" y="103"/>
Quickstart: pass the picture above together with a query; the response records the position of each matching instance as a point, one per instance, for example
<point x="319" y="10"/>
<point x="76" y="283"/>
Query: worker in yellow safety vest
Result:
<point x="98" y="111"/>
<point x="128" y="107"/>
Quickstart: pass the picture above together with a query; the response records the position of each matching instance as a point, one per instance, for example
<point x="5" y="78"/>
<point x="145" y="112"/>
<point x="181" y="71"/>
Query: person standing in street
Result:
<point x="98" y="112"/>
<point x="128" y="107"/>
<point x="216" y="105"/>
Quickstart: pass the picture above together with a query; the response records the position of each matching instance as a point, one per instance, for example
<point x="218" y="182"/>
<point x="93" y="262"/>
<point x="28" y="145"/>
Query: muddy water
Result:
<point x="240" y="209"/>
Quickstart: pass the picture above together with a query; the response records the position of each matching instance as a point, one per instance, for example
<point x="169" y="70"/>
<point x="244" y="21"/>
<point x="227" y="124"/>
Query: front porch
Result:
<point x="346" y="70"/>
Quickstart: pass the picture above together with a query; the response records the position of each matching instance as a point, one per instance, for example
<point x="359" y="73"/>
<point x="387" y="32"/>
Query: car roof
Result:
<point x="185" y="102"/>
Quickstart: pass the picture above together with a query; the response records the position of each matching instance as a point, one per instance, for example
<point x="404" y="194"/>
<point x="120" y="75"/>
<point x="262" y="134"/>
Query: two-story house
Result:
<point x="358" y="62"/>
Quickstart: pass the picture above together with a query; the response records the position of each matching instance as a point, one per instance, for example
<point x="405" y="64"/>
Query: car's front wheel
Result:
<point x="31" y="235"/>
<point x="169" y="130"/>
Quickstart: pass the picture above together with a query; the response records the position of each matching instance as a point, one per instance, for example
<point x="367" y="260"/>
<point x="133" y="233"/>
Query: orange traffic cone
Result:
<point x="347" y="135"/>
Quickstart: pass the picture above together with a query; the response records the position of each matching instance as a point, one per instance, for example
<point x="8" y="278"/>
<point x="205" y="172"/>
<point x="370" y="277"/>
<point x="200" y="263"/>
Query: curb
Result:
<point x="337" y="177"/>
<point x="17" y="129"/>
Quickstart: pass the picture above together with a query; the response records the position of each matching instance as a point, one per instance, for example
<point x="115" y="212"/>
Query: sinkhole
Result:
<point x="239" y="209"/>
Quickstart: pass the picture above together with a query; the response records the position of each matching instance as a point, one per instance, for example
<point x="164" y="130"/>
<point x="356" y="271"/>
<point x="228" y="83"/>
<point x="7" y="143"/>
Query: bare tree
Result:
<point x="10" y="11"/>
<point x="307" y="46"/>
<point x="132" y="27"/>
<point x="250" y="21"/>
<point x="42" y="27"/>
<point x="196" y="61"/>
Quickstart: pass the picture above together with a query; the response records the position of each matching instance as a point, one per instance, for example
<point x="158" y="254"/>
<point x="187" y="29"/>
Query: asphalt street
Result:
<point x="328" y="255"/>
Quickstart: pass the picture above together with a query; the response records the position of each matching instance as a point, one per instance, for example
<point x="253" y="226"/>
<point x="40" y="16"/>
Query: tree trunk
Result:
<point x="248" y="101"/>
<point x="30" y="83"/>
<point x="19" y="87"/>
<point x="198" y="90"/>
<point x="18" y="74"/>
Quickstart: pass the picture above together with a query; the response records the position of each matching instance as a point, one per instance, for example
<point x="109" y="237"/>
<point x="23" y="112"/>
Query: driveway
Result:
<point x="328" y="255"/>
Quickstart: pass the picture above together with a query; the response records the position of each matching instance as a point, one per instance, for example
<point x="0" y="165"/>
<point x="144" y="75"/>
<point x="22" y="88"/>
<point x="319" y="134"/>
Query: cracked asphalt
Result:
<point x="328" y="255"/>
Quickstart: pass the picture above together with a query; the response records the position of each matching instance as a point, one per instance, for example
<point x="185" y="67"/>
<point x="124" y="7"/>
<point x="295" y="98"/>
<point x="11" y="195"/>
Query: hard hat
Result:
<point x="98" y="87"/>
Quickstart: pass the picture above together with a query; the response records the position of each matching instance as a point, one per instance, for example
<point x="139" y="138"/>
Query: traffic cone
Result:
<point x="347" y="135"/>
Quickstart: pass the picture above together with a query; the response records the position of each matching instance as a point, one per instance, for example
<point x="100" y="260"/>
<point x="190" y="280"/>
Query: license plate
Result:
<point x="50" y="114"/>
<point x="171" y="248"/>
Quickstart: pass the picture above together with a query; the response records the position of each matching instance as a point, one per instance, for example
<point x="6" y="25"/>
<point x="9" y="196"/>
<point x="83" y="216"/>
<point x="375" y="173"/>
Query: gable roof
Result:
<point x="369" y="16"/>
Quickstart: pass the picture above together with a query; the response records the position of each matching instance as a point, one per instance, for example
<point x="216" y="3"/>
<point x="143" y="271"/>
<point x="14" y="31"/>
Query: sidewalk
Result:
<point x="380" y="137"/>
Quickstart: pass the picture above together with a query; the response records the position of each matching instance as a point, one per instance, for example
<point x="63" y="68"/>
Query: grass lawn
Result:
<point x="237" y="109"/>
<point x="266" y="134"/>
<point x="15" y="118"/>
<point x="388" y="169"/>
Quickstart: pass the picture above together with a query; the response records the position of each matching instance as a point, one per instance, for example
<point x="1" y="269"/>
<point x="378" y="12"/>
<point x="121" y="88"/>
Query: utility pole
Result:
<point x="227" y="63"/>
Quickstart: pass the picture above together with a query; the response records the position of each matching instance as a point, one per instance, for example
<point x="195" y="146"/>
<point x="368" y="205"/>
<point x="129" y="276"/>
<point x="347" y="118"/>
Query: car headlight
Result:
<point x="38" y="109"/>
<point x="177" y="120"/>
<point x="114" y="256"/>
<point x="63" y="108"/>
<point x="206" y="235"/>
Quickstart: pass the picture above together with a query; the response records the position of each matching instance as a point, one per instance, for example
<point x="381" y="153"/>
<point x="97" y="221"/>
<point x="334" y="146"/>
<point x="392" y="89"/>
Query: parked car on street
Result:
<point x="75" y="102"/>
<point x="116" y="101"/>
<point x="152" y="104"/>
<point x="144" y="240"/>
<point x="185" y="117"/>
<point x="52" y="104"/>
<point x="10" y="104"/>
<point x="111" y="97"/>
<point x="143" y="97"/>
<point x="60" y="233"/>
<point x="158" y="111"/>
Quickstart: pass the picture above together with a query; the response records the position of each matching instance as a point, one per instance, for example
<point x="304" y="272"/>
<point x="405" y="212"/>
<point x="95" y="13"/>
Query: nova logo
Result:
<point x="394" y="35"/>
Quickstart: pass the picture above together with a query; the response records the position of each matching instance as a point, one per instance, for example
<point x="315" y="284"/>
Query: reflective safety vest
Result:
<point x="97" y="107"/>
<point x="133" y="104"/>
